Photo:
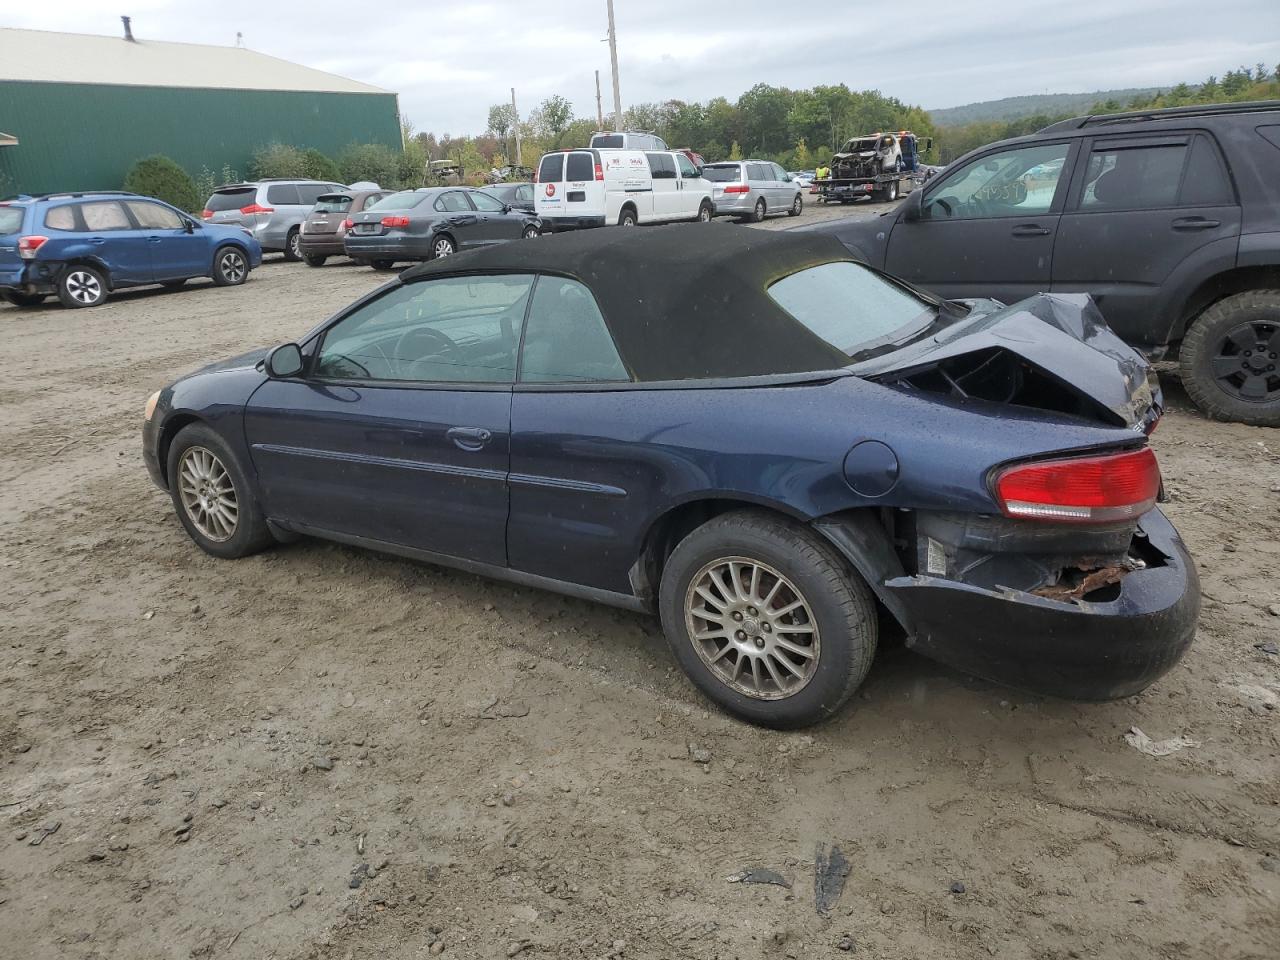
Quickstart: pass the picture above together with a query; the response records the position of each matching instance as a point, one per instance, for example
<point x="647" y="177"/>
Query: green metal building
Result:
<point x="77" y="110"/>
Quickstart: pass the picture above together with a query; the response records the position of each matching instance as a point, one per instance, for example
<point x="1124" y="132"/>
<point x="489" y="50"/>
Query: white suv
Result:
<point x="595" y="188"/>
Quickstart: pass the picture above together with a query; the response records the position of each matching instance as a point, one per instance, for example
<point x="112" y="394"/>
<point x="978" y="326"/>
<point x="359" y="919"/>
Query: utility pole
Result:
<point x="613" y="56"/>
<point x="519" y="160"/>
<point x="599" y="105"/>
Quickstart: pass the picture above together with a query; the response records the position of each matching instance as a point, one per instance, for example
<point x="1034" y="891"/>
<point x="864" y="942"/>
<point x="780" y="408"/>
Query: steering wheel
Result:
<point x="434" y="342"/>
<point x="329" y="361"/>
<point x="946" y="204"/>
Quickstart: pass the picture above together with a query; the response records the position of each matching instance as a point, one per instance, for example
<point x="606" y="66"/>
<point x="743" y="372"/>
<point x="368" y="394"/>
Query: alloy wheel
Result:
<point x="232" y="266"/>
<point x="207" y="493"/>
<point x="752" y="628"/>
<point x="295" y="245"/>
<point x="530" y="232"/>
<point x="84" y="287"/>
<point x="443" y="247"/>
<point x="1245" y="363"/>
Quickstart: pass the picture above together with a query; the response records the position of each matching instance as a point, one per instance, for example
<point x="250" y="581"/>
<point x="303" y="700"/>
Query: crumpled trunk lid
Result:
<point x="1051" y="351"/>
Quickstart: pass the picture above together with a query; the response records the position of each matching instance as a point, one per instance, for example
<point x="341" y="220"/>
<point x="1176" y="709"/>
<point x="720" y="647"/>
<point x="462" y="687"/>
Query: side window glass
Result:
<point x="453" y="202"/>
<point x="487" y="203"/>
<point x="284" y="194"/>
<point x="687" y="170"/>
<point x="661" y="166"/>
<point x="1205" y="183"/>
<point x="452" y="330"/>
<point x="1133" y="177"/>
<point x="311" y="192"/>
<point x="152" y="216"/>
<point x="567" y="340"/>
<point x="778" y="173"/>
<point x="1015" y="183"/>
<point x="524" y="193"/>
<point x="61" y="218"/>
<point x="104" y="216"/>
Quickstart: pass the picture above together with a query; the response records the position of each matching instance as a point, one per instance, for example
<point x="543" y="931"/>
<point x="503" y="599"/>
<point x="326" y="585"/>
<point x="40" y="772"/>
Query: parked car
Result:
<point x="82" y="246"/>
<point x="433" y="222"/>
<point x="592" y="188"/>
<point x="325" y="226"/>
<point x="802" y="178"/>
<point x="272" y="209"/>
<point x="753" y="189"/>
<point x="628" y="140"/>
<point x="762" y="440"/>
<point x="516" y="195"/>
<point x="1169" y="218"/>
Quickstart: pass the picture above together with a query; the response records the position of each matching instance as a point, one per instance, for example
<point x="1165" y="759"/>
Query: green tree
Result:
<point x="735" y="151"/>
<point x="370" y="161"/>
<point x="277" y="160"/>
<point x="160" y="177"/>
<point x="316" y="166"/>
<point x="502" y="123"/>
<point x="801" y="157"/>
<point x="552" y="119"/>
<point x="764" y="113"/>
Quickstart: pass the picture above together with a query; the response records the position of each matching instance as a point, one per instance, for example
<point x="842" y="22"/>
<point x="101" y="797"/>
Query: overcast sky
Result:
<point x="450" y="61"/>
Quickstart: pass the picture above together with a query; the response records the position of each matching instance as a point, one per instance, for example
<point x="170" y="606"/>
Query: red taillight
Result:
<point x="254" y="208"/>
<point x="27" y="246"/>
<point x="599" y="172"/>
<point x="737" y="188"/>
<point x="395" y="221"/>
<point x="1104" y="489"/>
<point x="348" y="224"/>
<point x="206" y="214"/>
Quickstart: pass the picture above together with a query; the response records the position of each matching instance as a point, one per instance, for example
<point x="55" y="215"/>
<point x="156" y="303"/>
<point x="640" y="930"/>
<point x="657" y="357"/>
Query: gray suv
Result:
<point x="752" y="189"/>
<point x="272" y="210"/>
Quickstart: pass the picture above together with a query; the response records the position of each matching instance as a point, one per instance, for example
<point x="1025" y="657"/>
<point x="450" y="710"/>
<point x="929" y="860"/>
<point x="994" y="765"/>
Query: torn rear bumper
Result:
<point x="1076" y="649"/>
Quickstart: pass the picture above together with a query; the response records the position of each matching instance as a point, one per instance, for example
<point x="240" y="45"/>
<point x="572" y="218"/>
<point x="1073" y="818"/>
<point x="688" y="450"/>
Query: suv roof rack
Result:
<point x="1160" y="113"/>
<point x="78" y="193"/>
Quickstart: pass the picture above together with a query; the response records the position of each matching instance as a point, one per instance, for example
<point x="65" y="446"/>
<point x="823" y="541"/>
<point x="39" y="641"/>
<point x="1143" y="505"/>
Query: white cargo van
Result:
<point x="619" y="140"/>
<point x="595" y="188"/>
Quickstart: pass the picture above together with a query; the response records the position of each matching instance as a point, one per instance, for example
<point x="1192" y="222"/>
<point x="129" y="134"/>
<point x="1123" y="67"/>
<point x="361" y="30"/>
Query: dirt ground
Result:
<point x="323" y="753"/>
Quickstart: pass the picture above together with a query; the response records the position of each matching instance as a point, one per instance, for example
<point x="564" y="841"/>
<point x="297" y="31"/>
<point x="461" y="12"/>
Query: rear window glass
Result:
<point x="283" y="193"/>
<point x="847" y="305"/>
<point x="230" y="199"/>
<point x="580" y="166"/>
<point x="550" y="168"/>
<point x="333" y="203"/>
<point x="11" y="219"/>
<point x="404" y="200"/>
<point x="725" y="174"/>
<point x="608" y="141"/>
<point x="61" y="218"/>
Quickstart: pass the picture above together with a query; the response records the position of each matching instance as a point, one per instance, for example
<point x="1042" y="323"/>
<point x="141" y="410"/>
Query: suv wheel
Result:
<point x="81" y="286"/>
<point x="1230" y="359"/>
<point x="292" y="245"/>
<point x="767" y="619"/>
<point x="796" y="207"/>
<point x="230" y="268"/>
<point x="757" y="215"/>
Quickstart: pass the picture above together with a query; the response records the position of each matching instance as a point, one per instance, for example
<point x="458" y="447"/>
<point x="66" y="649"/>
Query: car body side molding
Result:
<point x="449" y="469"/>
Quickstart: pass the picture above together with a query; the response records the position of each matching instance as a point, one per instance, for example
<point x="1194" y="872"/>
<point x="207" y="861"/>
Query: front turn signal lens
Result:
<point x="150" y="409"/>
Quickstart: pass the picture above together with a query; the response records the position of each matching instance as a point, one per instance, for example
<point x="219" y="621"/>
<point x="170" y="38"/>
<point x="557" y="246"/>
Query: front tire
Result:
<point x="530" y="232"/>
<point x="230" y="267"/>
<point x="796" y="207"/>
<point x="1230" y="359"/>
<point x="81" y="286"/>
<point x="212" y="497"/>
<point x="767" y="619"/>
<point x="293" y="245"/>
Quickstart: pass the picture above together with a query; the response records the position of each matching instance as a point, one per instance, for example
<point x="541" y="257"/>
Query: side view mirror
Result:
<point x="913" y="209"/>
<point x="507" y="208"/>
<point x="189" y="226"/>
<point x="284" y="361"/>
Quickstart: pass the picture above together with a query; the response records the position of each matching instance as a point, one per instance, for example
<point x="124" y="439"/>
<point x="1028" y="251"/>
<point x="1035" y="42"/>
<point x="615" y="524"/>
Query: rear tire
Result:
<point x="81" y="286"/>
<point x="292" y="245"/>
<point x="203" y="469"/>
<point x="705" y="213"/>
<point x="796" y="207"/>
<point x="443" y="246"/>
<point x="230" y="267"/>
<point x="1230" y="359"/>
<point x="313" y="261"/>
<point x="836" y="607"/>
<point x="23" y="299"/>
<point x="384" y="265"/>
<point x="627" y="218"/>
<point x="760" y="211"/>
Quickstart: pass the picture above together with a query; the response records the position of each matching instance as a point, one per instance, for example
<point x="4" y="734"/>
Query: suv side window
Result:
<point x="61" y="218"/>
<point x="1205" y="184"/>
<point x="687" y="170"/>
<point x="1013" y="183"/>
<point x="152" y="216"/>
<point x="283" y="194"/>
<point x="566" y="340"/>
<point x="311" y="192"/>
<point x="451" y="330"/>
<point x="1133" y="175"/>
<point x="104" y="215"/>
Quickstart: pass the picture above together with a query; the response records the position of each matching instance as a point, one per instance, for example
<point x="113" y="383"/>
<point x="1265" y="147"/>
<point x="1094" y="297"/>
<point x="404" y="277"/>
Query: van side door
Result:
<point x="666" y="187"/>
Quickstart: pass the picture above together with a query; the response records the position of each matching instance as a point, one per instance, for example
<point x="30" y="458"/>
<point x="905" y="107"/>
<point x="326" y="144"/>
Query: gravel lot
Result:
<point x="323" y="753"/>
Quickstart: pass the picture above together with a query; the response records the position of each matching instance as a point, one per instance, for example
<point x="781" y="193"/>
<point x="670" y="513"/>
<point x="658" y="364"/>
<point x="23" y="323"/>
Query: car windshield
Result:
<point x="849" y="306"/>
<point x="404" y="200"/>
<point x="11" y="219"/>
<point x="231" y="199"/>
<point x="723" y="174"/>
<point x="332" y="203"/>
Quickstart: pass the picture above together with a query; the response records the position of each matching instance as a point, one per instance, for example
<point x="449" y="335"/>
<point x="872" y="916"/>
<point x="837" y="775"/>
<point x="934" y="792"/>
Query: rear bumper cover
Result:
<point x="388" y="248"/>
<point x="324" y="245"/>
<point x="1078" y="650"/>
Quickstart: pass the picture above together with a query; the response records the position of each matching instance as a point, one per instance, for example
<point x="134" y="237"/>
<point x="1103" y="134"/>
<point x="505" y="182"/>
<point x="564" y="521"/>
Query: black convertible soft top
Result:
<point x="685" y="301"/>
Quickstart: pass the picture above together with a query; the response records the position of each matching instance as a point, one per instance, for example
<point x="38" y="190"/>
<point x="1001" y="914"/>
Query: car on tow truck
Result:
<point x="765" y="442"/>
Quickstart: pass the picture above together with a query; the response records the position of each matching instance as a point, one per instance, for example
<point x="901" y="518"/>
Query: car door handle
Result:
<point x="98" y="240"/>
<point x="1195" y="223"/>
<point x="469" y="438"/>
<point x="153" y="239"/>
<point x="1030" y="230"/>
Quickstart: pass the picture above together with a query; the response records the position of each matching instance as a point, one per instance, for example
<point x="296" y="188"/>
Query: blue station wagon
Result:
<point x="767" y="443"/>
<point x="82" y="246"/>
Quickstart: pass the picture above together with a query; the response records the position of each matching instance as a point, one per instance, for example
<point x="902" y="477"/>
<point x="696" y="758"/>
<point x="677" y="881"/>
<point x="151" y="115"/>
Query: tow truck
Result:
<point x="882" y="166"/>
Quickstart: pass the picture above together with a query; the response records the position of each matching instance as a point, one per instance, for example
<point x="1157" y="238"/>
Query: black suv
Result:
<point x="1169" y="218"/>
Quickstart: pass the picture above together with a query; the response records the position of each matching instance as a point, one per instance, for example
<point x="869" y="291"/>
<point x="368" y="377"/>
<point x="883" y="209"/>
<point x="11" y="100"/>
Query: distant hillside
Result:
<point x="1047" y="104"/>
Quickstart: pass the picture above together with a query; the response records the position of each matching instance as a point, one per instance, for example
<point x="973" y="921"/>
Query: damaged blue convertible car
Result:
<point x="770" y="445"/>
